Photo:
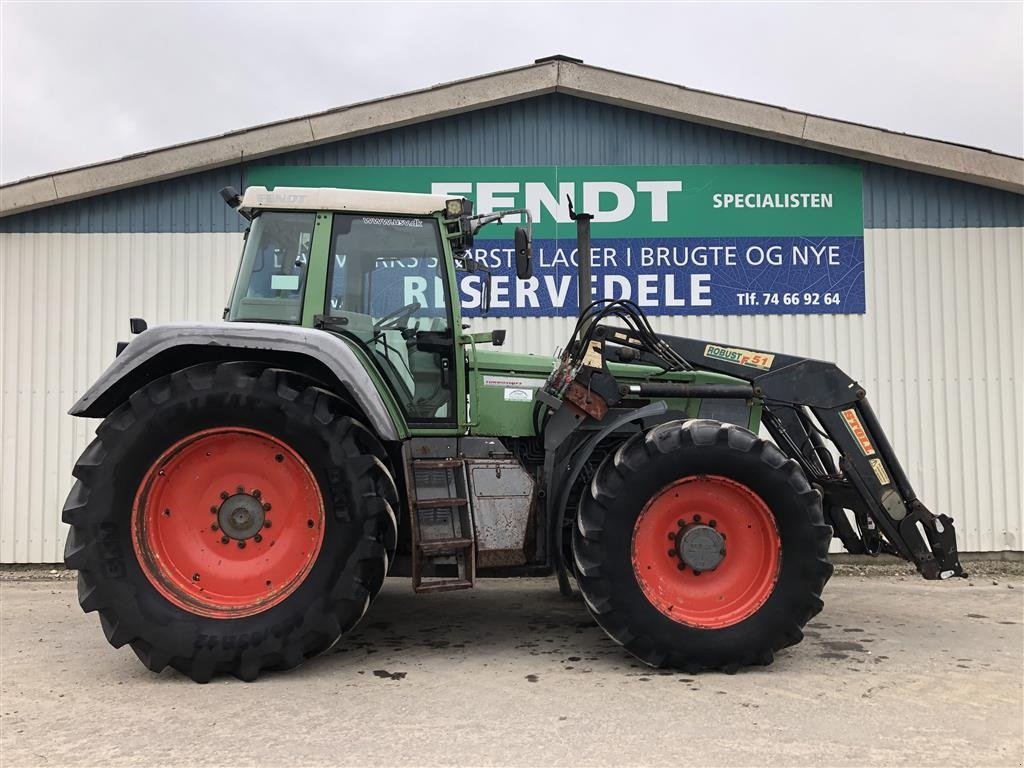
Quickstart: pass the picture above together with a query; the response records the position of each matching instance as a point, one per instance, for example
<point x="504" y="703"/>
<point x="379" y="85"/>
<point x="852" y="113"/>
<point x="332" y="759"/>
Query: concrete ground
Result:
<point x="895" y="671"/>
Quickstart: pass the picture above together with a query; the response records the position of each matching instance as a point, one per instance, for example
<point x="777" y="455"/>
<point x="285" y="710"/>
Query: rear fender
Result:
<point x="167" y="348"/>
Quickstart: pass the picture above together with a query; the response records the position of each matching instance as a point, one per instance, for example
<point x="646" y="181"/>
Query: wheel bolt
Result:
<point x="241" y="545"/>
<point x="256" y="493"/>
<point x="214" y="527"/>
<point x="266" y="523"/>
<point x="713" y="523"/>
<point x="680" y="523"/>
<point x="257" y="538"/>
<point x="681" y="566"/>
<point x="241" y="489"/>
<point x="671" y="535"/>
<point x="696" y="572"/>
<point x="696" y="518"/>
<point x="224" y="495"/>
<point x="673" y="553"/>
<point x="195" y="577"/>
<point x="213" y="510"/>
<point x="266" y="506"/>
<point x="224" y="539"/>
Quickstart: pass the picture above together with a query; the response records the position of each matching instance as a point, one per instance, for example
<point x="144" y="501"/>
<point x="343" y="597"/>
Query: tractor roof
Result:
<point x="331" y="199"/>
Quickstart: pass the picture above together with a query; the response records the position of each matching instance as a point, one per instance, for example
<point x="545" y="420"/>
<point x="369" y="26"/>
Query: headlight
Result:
<point x="453" y="208"/>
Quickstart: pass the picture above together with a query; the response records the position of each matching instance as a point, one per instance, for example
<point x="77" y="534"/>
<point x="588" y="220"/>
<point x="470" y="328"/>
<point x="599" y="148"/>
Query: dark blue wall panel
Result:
<point x="547" y="130"/>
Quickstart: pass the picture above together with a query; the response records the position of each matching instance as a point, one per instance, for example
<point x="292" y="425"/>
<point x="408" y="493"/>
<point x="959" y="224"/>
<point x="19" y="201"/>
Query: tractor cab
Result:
<point x="377" y="268"/>
<point x="373" y="267"/>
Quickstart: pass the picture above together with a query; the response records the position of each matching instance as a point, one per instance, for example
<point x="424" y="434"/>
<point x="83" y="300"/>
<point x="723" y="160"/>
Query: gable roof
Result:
<point x="557" y="74"/>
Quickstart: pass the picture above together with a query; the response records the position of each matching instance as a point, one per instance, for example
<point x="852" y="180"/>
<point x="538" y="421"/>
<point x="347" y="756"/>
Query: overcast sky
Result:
<point x="85" y="82"/>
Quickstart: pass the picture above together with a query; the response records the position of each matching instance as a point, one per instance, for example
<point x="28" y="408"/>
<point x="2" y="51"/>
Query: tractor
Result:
<point x="254" y="481"/>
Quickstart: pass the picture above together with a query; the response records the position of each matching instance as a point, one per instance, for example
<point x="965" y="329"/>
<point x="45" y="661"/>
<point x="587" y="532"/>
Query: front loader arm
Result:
<point x="868" y="478"/>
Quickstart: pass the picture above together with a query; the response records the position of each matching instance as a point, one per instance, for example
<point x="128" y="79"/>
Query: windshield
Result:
<point x="272" y="276"/>
<point x="386" y="285"/>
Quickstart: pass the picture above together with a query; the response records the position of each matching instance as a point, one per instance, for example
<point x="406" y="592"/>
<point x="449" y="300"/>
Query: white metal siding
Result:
<point x="66" y="302"/>
<point x="940" y="351"/>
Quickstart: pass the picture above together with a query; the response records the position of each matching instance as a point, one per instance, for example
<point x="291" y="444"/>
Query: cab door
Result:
<point x="388" y="288"/>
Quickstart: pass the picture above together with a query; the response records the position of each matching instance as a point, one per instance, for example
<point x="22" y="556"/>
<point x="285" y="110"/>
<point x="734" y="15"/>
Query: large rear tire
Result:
<point x="230" y="518"/>
<point x="700" y="545"/>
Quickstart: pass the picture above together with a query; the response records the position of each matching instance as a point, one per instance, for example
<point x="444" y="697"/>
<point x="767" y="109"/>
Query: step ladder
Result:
<point x="442" y="525"/>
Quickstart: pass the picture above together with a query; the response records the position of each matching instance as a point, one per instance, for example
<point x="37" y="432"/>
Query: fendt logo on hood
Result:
<point x="280" y="198"/>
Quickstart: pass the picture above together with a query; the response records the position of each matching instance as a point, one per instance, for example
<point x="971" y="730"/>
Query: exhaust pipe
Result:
<point x="584" y="294"/>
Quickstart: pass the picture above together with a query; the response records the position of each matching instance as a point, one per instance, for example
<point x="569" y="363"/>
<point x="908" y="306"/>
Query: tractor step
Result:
<point x="438" y="463"/>
<point x="441" y="503"/>
<point x="445" y="546"/>
<point x="443" y="538"/>
<point x="443" y="585"/>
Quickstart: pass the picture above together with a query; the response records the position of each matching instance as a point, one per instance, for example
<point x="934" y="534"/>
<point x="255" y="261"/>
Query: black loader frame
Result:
<point x="805" y="404"/>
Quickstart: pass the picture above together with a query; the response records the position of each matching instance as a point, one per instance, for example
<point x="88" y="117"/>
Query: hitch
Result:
<point x="940" y="559"/>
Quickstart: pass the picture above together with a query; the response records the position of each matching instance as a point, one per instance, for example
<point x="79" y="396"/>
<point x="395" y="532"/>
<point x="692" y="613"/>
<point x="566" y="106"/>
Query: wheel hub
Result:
<point x="700" y="547"/>
<point x="241" y="516"/>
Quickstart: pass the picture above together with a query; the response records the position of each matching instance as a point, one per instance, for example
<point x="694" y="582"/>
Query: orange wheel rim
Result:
<point x="227" y="522"/>
<point x="706" y="551"/>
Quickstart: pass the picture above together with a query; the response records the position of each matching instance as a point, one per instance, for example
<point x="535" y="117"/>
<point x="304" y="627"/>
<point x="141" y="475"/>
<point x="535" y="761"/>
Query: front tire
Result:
<point x="700" y="545"/>
<point x="230" y="518"/>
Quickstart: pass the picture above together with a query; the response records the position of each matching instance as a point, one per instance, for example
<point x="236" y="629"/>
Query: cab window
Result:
<point x="272" y="275"/>
<point x="386" y="282"/>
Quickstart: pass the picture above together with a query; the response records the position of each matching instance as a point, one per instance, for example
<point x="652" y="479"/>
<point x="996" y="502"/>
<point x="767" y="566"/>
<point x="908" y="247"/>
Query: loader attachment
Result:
<point x="807" y="404"/>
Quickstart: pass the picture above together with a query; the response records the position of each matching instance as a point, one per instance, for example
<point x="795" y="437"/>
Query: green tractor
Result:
<point x="254" y="481"/>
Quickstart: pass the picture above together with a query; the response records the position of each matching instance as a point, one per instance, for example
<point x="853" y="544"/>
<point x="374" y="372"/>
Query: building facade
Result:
<point x="938" y="340"/>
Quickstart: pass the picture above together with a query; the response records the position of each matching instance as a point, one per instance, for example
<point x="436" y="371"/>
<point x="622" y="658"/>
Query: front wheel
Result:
<point x="700" y="545"/>
<point x="230" y="518"/>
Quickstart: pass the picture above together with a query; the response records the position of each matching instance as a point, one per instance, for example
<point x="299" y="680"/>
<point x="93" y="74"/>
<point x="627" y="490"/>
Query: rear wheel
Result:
<point x="230" y="518"/>
<point x="700" y="545"/>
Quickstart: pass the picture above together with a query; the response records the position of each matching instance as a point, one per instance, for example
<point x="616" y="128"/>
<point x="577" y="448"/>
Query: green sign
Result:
<point x="627" y="201"/>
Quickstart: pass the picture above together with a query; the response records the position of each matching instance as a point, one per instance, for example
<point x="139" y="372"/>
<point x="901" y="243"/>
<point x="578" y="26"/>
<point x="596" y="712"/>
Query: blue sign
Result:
<point x="678" y="276"/>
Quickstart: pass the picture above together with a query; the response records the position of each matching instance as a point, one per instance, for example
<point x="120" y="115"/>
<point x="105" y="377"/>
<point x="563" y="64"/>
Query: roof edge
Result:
<point x="862" y="142"/>
<point x="560" y="74"/>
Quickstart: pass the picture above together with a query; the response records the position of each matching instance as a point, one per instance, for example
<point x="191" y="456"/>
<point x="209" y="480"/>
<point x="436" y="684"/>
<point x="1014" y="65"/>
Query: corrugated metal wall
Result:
<point x="66" y="302"/>
<point x="940" y="351"/>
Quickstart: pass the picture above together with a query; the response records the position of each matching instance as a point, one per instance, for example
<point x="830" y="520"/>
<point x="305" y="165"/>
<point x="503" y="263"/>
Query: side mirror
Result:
<point x="465" y="239"/>
<point x="524" y="254"/>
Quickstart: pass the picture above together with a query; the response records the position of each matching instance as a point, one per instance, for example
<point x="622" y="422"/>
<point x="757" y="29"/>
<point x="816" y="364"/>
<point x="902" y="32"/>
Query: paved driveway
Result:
<point x="892" y="672"/>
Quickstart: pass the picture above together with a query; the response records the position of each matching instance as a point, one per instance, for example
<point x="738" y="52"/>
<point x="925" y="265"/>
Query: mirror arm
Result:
<point x="481" y="221"/>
